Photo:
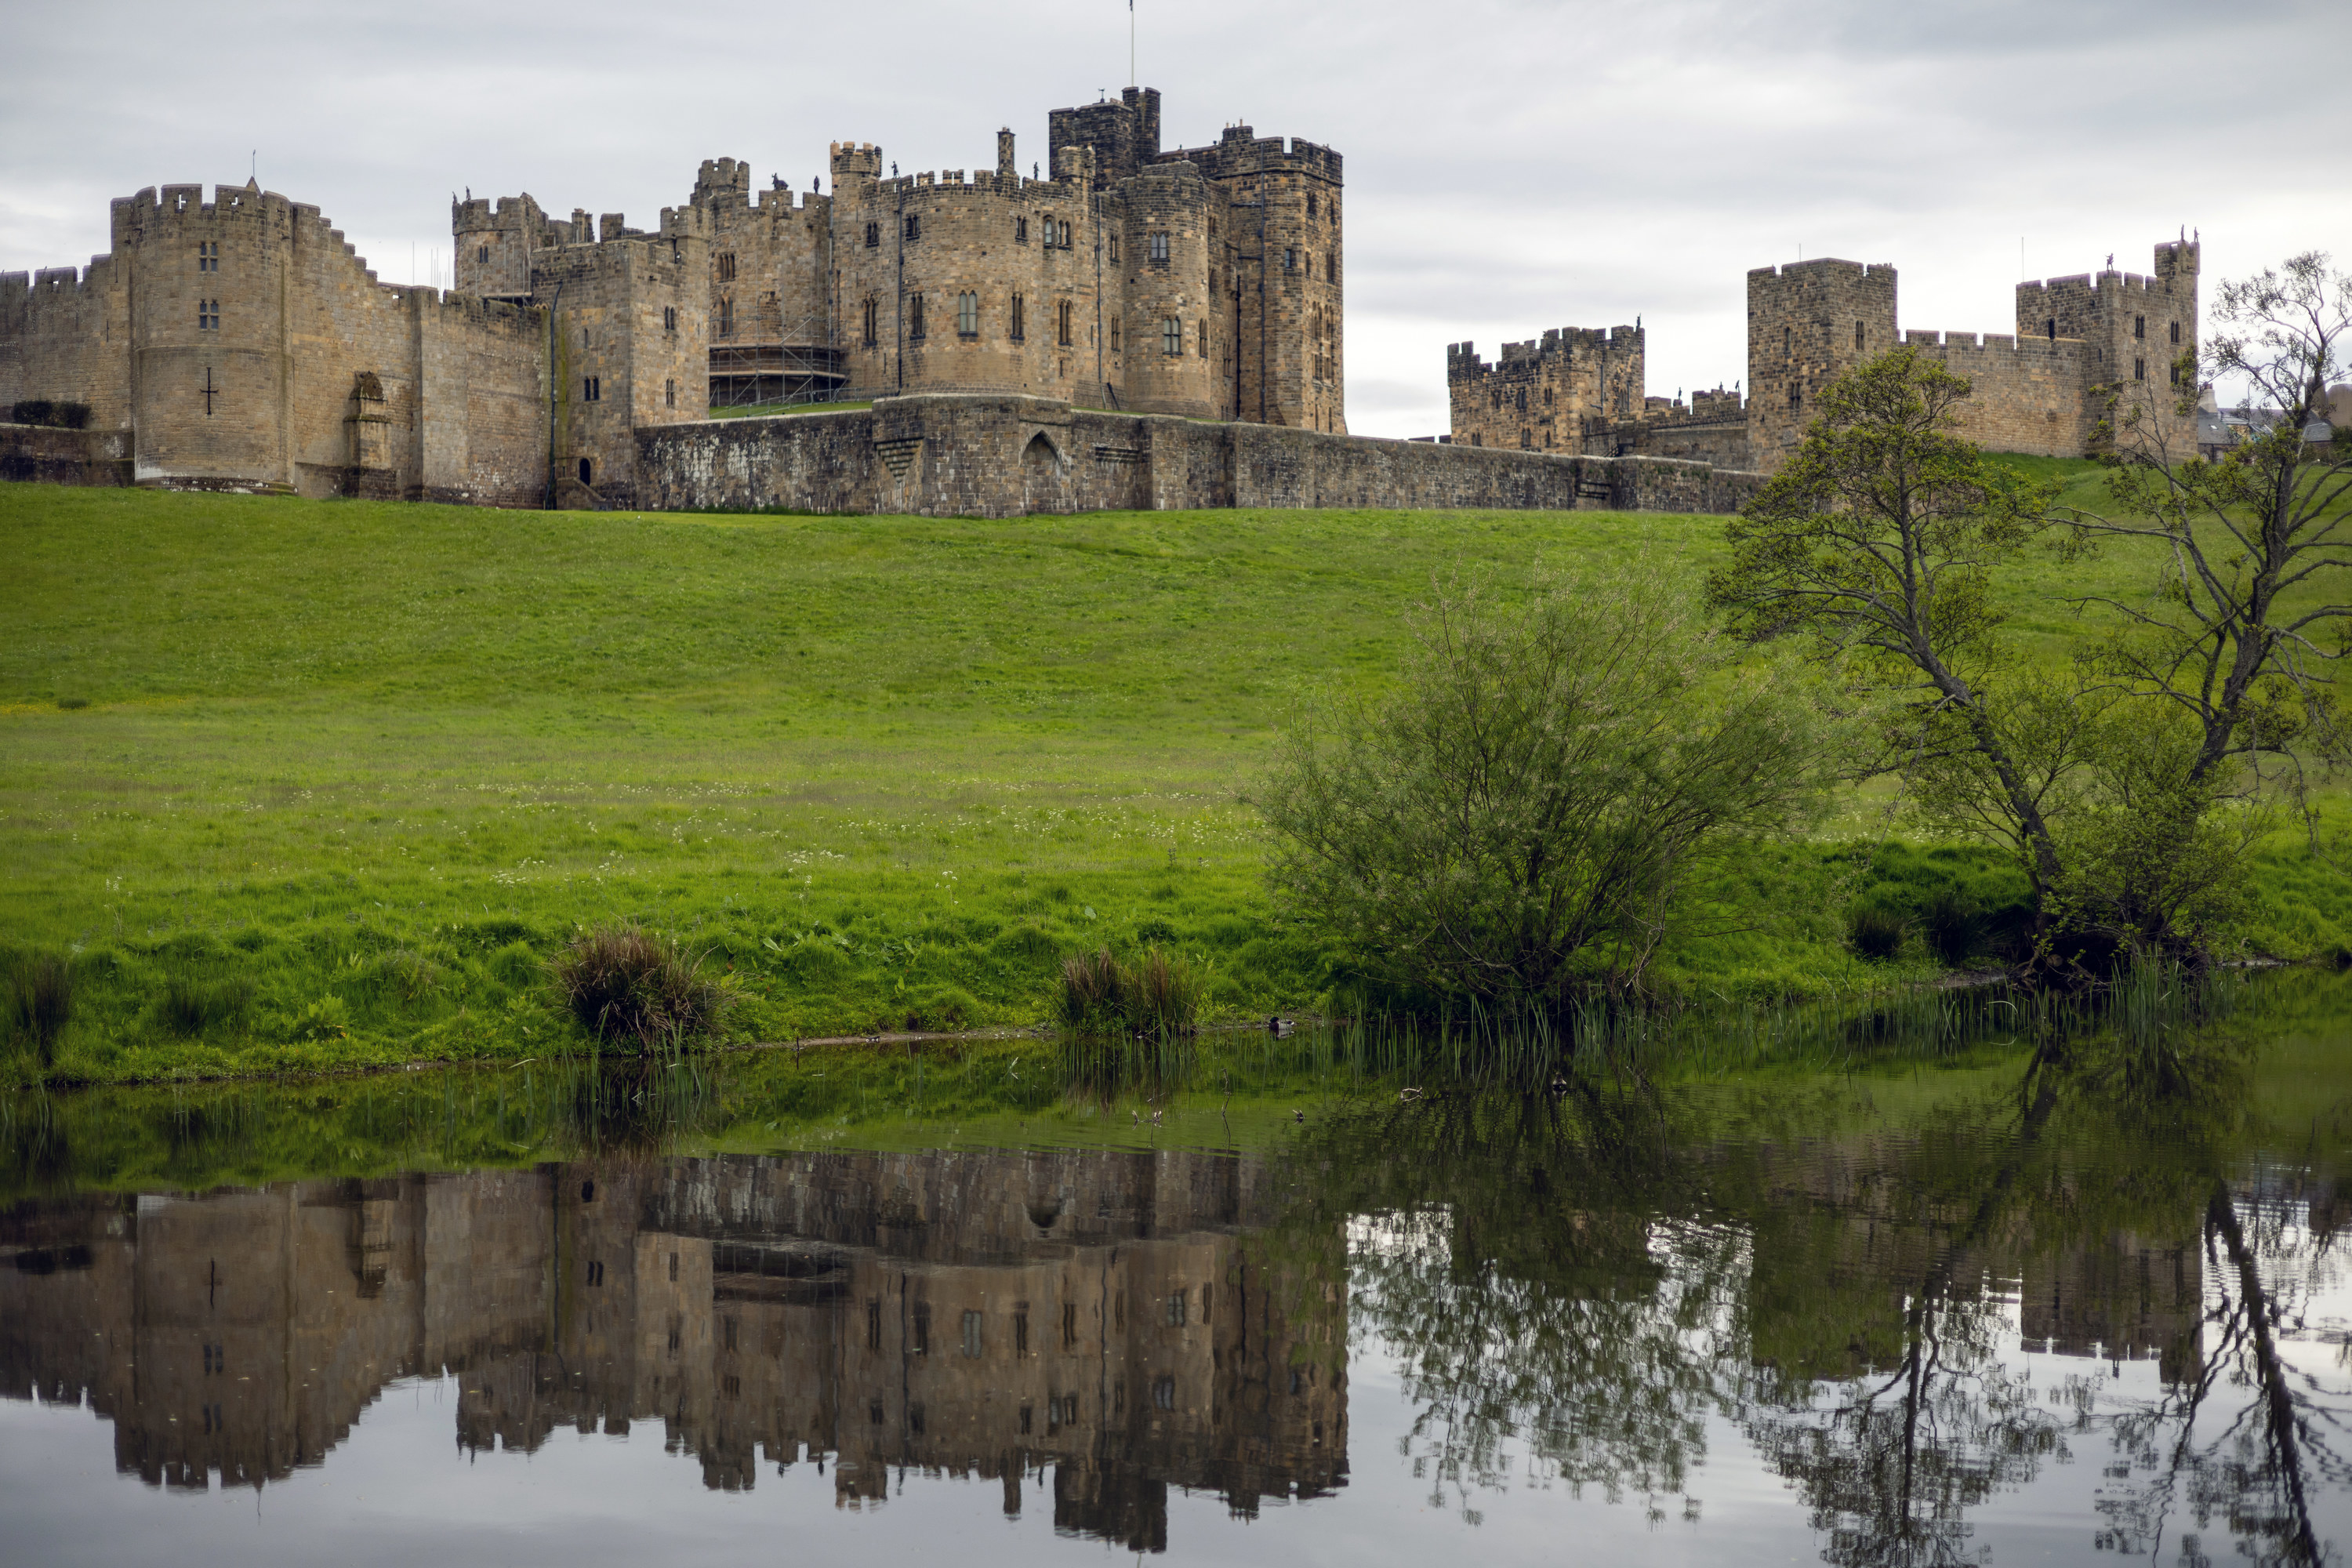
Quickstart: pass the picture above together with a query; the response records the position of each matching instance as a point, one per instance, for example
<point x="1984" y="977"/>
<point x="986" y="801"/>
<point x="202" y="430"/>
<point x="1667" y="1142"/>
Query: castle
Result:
<point x="1138" y="329"/>
<point x="240" y="341"/>
<point x="2080" y="342"/>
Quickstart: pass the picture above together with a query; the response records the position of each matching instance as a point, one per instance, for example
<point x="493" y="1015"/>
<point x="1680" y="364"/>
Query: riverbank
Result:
<point x="310" y="785"/>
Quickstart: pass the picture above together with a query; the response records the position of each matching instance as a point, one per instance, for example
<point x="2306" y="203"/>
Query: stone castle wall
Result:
<point x="242" y="343"/>
<point x="1539" y="395"/>
<point x="1005" y="456"/>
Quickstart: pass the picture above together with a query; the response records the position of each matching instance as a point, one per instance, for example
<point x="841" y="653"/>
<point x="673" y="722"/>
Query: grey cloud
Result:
<point x="1511" y="165"/>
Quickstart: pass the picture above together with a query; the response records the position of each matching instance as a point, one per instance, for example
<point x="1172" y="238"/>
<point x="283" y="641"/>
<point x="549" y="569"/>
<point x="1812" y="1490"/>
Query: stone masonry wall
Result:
<point x="1005" y="456"/>
<point x="1539" y="396"/>
<point x="43" y="455"/>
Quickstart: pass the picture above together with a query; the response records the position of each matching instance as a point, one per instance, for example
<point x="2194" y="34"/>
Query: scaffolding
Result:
<point x="798" y="366"/>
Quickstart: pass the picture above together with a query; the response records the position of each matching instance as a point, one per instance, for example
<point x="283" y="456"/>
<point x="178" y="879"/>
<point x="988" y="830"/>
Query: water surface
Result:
<point x="1961" y="1306"/>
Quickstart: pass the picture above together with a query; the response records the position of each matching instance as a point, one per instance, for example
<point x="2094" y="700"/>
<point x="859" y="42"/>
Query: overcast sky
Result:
<point x="1511" y="164"/>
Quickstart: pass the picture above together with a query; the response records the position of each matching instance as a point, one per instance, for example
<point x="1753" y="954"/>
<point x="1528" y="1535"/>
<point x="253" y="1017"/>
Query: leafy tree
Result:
<point x="1530" y="806"/>
<point x="2233" y="636"/>
<point x="1876" y="543"/>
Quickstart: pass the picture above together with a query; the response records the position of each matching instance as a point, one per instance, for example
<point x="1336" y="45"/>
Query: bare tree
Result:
<point x="2249" y="606"/>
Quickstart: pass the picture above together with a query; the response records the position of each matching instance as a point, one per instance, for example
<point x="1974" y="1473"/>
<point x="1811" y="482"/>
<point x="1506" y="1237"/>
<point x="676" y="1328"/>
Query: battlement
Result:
<point x="849" y="161"/>
<point x="947" y="184"/>
<point x="1240" y="151"/>
<point x="245" y="207"/>
<point x="1462" y="360"/>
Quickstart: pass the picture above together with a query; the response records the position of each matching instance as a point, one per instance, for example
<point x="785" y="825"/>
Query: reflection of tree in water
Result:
<point x="1573" y="1285"/>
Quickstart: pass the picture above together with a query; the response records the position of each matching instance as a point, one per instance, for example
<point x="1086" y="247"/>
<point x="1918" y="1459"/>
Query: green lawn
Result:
<point x="375" y="759"/>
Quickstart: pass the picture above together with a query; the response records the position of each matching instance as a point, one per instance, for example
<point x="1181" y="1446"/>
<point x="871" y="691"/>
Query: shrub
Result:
<point x="191" y="1005"/>
<point x="1538" y="801"/>
<point x="1161" y="994"/>
<point x="1875" y="933"/>
<point x="40" y="1002"/>
<point x="624" y="983"/>
<point x="1952" y="922"/>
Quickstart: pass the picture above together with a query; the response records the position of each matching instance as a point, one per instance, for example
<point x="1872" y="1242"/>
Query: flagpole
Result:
<point x="1130" y="43"/>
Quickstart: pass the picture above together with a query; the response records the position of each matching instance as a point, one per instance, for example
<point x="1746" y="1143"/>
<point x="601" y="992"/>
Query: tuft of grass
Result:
<point x="1875" y="933"/>
<point x="1160" y="994"/>
<point x="624" y="983"/>
<point x="191" y="1005"/>
<point x="41" y="1002"/>
<point x="1952" y="924"/>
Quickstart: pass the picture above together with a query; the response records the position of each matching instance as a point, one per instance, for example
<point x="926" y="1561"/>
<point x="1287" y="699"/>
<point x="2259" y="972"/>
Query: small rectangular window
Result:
<point x="484" y="255"/>
<point x="1021" y="1335"/>
<point x="208" y="256"/>
<point x="726" y="328"/>
<point x="1172" y="335"/>
<point x="914" y="315"/>
<point x="971" y="1336"/>
<point x="1020" y="322"/>
<point x="1065" y="323"/>
<point x="2139" y="326"/>
<point x="874" y="1335"/>
<point x="968" y="315"/>
<point x="1159" y="247"/>
<point x="2175" y="331"/>
<point x="208" y="315"/>
<point x="1021" y="231"/>
<point x="1114" y="247"/>
<point x="727" y="267"/>
<point x="1163" y="1394"/>
<point x="670" y="400"/>
<point x="1204" y="337"/>
<point x="873" y="235"/>
<point x="1175" y="1310"/>
<point x="1857" y="337"/>
<point x="1290" y="259"/>
<point x="914" y="226"/>
<point x="1070" y="1326"/>
<point x="922" y="1326"/>
<point x="670" y="318"/>
<point x="592" y="390"/>
<point x="873" y="312"/>
<point x="1113" y="337"/>
<point x="2139" y="369"/>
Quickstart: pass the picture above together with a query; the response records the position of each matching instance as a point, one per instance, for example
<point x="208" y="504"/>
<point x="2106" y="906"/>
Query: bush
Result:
<point x="40" y="1002"/>
<point x="1526" y="818"/>
<point x="1161" y="994"/>
<point x="624" y="983"/>
<point x="45" y="411"/>
<point x="1875" y="933"/>
<point x="328" y="1018"/>
<point x="191" y="1005"/>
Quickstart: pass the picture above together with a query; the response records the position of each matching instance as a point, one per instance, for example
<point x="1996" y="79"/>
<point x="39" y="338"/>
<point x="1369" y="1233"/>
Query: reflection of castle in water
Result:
<point x="1110" y="1315"/>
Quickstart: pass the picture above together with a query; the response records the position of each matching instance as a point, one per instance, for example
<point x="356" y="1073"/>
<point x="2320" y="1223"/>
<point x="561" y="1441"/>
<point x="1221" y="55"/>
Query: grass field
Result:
<point x="346" y="772"/>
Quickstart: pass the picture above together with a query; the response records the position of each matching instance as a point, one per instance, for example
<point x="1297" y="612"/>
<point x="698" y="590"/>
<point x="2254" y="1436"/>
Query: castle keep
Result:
<point x="240" y="342"/>
<point x="2079" y="341"/>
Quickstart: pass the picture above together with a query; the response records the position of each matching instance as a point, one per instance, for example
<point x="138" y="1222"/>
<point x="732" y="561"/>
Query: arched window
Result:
<point x="968" y="314"/>
<point x="1172" y="335"/>
<point x="584" y="470"/>
<point x="873" y="236"/>
<point x="726" y="317"/>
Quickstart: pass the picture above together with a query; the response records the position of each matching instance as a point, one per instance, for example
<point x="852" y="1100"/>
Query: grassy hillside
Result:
<point x="364" y="763"/>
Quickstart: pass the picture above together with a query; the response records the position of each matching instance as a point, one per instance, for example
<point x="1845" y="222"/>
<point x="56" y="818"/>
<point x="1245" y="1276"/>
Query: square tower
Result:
<point x="1809" y="322"/>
